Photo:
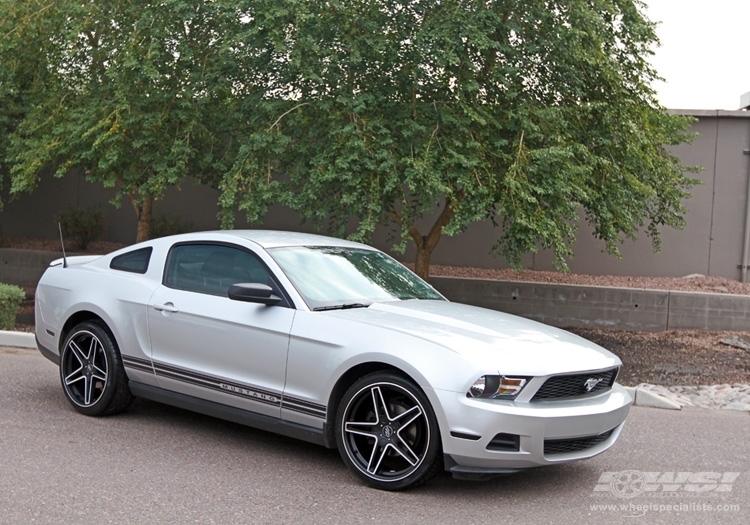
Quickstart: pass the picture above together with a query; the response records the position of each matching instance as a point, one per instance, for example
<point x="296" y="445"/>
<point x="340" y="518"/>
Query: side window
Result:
<point x="135" y="261"/>
<point x="212" y="269"/>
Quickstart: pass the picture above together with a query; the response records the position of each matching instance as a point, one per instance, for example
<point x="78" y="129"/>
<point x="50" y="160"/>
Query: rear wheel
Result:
<point x="91" y="372"/>
<point x="387" y="433"/>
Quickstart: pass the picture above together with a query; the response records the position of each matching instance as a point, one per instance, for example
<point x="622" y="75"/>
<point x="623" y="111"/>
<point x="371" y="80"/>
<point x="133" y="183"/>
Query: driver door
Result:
<point x="209" y="346"/>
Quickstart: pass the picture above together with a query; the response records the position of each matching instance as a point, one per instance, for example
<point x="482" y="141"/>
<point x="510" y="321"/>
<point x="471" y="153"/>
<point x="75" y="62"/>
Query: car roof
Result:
<point x="275" y="239"/>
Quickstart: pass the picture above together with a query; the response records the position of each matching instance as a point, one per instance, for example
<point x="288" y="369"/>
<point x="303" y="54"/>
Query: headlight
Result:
<point x="497" y="387"/>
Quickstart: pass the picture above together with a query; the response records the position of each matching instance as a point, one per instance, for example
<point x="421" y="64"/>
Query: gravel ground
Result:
<point x="662" y="358"/>
<point x="675" y="358"/>
<point x="689" y="283"/>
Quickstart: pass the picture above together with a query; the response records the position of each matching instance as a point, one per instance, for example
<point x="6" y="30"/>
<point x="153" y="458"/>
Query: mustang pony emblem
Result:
<point x="591" y="383"/>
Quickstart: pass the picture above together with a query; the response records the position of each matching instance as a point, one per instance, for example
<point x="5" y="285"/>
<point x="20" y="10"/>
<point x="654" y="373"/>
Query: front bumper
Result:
<point x="533" y="434"/>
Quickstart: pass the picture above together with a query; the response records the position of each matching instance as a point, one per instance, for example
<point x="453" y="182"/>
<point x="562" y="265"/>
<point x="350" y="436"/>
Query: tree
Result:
<point x="138" y="95"/>
<point x="20" y="74"/>
<point x="454" y="111"/>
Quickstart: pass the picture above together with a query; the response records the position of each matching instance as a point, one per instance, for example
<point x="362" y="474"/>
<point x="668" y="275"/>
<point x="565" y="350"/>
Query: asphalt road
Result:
<point x="156" y="464"/>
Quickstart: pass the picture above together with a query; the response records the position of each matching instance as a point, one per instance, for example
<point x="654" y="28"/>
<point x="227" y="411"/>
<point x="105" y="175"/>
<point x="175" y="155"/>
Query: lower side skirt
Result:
<point x="236" y="415"/>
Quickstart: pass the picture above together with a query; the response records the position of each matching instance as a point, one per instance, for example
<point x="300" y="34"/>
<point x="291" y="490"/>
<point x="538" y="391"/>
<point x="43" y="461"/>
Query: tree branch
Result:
<point x="443" y="219"/>
<point x="285" y="114"/>
<point x="413" y="232"/>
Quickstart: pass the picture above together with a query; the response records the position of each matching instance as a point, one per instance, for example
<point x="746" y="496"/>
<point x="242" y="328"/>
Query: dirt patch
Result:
<point x="685" y="357"/>
<point x="689" y="283"/>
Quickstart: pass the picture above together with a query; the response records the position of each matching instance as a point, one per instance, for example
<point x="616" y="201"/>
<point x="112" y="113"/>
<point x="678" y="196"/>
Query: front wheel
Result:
<point x="387" y="433"/>
<point x="91" y="372"/>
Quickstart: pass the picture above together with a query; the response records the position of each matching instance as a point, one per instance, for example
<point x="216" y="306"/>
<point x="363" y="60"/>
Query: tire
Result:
<point x="91" y="372"/>
<point x="387" y="433"/>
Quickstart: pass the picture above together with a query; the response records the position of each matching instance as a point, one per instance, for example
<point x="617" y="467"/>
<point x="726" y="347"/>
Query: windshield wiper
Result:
<point x="345" y="306"/>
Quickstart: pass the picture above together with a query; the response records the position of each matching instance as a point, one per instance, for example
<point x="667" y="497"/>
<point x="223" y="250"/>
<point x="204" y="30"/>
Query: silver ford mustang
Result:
<point x="329" y="341"/>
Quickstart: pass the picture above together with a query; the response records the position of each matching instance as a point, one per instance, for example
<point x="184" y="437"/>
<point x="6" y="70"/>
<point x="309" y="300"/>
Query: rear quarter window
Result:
<point x="134" y="262"/>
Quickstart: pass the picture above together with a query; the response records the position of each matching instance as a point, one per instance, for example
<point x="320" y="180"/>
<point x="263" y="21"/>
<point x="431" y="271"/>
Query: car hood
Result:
<point x="509" y="343"/>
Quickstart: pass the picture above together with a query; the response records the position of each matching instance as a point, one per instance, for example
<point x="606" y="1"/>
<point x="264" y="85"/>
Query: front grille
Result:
<point x="561" y="387"/>
<point x="562" y="446"/>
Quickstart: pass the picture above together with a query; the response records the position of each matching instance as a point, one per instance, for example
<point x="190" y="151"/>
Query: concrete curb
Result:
<point x="646" y="398"/>
<point x="578" y="306"/>
<point x="17" y="339"/>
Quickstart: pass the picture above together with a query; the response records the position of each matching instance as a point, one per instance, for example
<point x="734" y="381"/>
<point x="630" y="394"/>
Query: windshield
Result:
<point x="347" y="277"/>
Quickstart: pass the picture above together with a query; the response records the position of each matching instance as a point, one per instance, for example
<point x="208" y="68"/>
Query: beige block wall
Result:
<point x="710" y="244"/>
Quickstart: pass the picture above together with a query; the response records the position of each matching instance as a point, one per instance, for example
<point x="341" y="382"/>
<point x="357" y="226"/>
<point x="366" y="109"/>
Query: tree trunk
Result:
<point x="144" y="212"/>
<point x="426" y="243"/>
<point x="422" y="264"/>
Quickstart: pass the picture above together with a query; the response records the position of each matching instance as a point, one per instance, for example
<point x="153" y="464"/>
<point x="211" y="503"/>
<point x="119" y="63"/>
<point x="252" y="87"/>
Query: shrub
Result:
<point x="11" y="297"/>
<point x="161" y="226"/>
<point x="83" y="225"/>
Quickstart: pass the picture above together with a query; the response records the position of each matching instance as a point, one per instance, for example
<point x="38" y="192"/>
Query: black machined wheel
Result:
<point x="91" y="372"/>
<point x="387" y="432"/>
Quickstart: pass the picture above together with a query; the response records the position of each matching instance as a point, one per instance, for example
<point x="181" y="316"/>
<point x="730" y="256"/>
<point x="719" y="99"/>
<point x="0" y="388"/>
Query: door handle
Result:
<point x="166" y="307"/>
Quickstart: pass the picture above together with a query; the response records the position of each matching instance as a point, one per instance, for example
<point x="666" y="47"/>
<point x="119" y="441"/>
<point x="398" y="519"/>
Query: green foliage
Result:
<point x="454" y="111"/>
<point x="426" y="116"/>
<point x="162" y="226"/>
<point x="137" y="94"/>
<point x="84" y="225"/>
<point x="18" y="73"/>
<point x="11" y="297"/>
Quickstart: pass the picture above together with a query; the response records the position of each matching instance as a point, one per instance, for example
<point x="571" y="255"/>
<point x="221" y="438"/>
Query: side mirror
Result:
<point x="253" y="293"/>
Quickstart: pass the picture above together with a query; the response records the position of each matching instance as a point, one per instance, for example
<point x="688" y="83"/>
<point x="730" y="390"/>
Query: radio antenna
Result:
<point x="62" y="243"/>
